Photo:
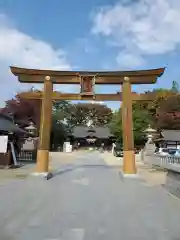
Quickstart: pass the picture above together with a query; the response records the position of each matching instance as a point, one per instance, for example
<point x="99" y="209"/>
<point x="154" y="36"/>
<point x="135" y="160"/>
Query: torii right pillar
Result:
<point x="129" y="163"/>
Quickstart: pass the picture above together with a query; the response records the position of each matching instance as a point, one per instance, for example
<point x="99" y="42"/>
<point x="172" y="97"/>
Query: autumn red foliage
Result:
<point x="168" y="114"/>
<point x="23" y="110"/>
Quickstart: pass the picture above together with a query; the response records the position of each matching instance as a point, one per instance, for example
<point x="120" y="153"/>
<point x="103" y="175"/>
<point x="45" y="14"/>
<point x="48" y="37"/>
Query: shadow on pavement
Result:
<point x="72" y="167"/>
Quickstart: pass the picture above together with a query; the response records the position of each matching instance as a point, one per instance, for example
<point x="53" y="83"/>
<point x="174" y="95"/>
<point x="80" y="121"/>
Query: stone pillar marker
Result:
<point x="129" y="166"/>
<point x="45" y="129"/>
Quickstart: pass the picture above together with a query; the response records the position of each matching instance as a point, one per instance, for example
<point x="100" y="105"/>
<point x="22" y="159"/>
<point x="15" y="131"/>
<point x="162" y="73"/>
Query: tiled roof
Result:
<point x="99" y="132"/>
<point x="171" y="135"/>
<point x="7" y="125"/>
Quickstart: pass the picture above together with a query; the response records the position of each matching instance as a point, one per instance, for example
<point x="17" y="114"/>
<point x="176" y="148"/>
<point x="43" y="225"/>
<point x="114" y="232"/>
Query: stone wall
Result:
<point x="172" y="166"/>
<point x="173" y="182"/>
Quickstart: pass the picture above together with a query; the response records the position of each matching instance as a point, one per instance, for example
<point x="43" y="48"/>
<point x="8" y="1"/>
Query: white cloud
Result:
<point x="19" y="49"/>
<point x="86" y="45"/>
<point x="143" y="27"/>
<point x="126" y="60"/>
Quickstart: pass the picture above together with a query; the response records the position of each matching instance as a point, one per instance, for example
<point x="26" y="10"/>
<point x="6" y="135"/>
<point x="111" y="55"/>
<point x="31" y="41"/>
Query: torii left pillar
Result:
<point x="42" y="167"/>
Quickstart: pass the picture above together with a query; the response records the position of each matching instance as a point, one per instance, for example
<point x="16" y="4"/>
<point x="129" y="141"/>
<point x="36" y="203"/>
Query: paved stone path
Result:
<point x="87" y="200"/>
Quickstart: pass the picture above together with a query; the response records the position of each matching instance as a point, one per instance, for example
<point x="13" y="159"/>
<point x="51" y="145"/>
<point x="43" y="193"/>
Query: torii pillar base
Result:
<point x="42" y="161"/>
<point x="129" y="163"/>
<point x="42" y="166"/>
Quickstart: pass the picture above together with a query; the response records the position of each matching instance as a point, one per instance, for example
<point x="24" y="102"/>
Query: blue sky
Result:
<point x="91" y="35"/>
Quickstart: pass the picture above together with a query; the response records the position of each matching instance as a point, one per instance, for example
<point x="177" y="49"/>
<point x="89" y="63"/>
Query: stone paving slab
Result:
<point x="149" y="175"/>
<point x="87" y="200"/>
<point x="56" y="159"/>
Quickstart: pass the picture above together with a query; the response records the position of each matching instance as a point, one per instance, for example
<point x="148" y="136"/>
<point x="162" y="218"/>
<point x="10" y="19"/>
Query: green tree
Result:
<point x="62" y="106"/>
<point x="141" y="120"/>
<point x="59" y="133"/>
<point x="60" y="111"/>
<point x="115" y="125"/>
<point x="81" y="113"/>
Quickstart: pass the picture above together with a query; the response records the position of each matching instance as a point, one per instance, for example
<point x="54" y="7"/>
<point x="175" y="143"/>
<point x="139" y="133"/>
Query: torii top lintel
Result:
<point x="72" y="77"/>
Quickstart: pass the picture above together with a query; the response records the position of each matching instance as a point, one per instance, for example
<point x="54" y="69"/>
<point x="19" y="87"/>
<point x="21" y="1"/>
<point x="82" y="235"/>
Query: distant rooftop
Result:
<point x="98" y="132"/>
<point x="7" y="125"/>
<point x="171" y="135"/>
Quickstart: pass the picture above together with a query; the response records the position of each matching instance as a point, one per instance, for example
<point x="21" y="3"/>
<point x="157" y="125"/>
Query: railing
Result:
<point x="171" y="166"/>
<point x="161" y="161"/>
<point x="27" y="156"/>
<point x="169" y="160"/>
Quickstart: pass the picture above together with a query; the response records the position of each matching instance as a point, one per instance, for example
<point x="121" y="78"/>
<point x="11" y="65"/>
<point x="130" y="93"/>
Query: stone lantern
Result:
<point x="90" y="123"/>
<point x="30" y="143"/>
<point x="31" y="128"/>
<point x="150" y="133"/>
<point x="150" y="146"/>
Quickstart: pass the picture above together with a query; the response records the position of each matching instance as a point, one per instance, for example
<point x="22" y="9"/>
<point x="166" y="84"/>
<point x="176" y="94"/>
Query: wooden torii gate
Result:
<point x="87" y="81"/>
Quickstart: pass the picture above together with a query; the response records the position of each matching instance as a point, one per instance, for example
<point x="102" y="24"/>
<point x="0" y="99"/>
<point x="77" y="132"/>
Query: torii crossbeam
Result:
<point x="71" y="96"/>
<point x="86" y="80"/>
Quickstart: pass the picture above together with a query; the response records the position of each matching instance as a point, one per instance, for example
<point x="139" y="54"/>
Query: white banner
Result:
<point x="3" y="144"/>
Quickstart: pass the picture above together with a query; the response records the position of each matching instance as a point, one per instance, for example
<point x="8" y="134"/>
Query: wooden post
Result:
<point x="45" y="128"/>
<point x="129" y="166"/>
